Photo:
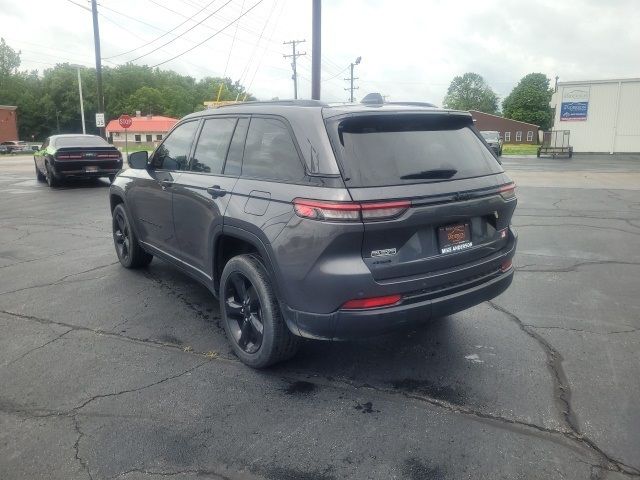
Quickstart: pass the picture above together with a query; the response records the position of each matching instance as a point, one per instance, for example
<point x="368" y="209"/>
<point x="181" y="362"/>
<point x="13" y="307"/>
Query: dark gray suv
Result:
<point x="318" y="221"/>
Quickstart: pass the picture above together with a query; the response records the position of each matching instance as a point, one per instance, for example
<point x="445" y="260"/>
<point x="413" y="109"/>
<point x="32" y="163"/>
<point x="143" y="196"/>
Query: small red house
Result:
<point x="148" y="130"/>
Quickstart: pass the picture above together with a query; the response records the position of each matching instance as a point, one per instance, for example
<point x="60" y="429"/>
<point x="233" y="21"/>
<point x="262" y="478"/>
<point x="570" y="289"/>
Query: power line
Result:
<point x="211" y="36"/>
<point x="186" y="31"/>
<point x="245" y="71"/>
<point x="294" y="55"/>
<point x="161" y="36"/>
<point x="275" y="27"/>
<point x="233" y="41"/>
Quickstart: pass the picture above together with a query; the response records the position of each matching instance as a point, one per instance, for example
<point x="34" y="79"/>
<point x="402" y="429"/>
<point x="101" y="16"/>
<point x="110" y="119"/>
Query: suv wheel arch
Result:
<point x="235" y="241"/>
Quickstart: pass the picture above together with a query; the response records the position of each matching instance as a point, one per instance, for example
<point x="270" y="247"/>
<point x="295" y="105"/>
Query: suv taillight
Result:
<point x="508" y="191"/>
<point x="349" y="211"/>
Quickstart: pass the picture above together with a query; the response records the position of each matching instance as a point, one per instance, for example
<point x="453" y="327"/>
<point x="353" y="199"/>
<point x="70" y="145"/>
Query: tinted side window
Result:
<point x="212" y="145"/>
<point x="236" y="150"/>
<point x="270" y="152"/>
<point x="174" y="152"/>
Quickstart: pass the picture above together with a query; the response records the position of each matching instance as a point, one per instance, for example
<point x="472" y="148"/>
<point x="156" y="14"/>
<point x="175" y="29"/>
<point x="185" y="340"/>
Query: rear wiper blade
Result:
<point x="438" y="173"/>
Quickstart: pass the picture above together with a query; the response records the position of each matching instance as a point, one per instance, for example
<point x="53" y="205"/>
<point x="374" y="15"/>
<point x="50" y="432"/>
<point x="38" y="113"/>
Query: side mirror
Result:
<point x="139" y="160"/>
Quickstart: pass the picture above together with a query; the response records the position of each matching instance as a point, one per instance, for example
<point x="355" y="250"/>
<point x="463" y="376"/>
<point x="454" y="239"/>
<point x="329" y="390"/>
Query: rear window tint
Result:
<point x="81" y="141"/>
<point x="380" y="150"/>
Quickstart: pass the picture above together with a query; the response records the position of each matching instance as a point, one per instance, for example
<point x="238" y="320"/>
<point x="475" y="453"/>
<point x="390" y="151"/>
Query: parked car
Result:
<point x="494" y="140"/>
<point x="16" y="146"/>
<point x="4" y="149"/>
<point x="76" y="155"/>
<point x="318" y="221"/>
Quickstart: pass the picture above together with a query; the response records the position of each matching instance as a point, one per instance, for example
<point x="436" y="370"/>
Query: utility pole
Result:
<point x="58" y="121"/>
<point x="96" y="40"/>
<point x="293" y="55"/>
<point x="555" y="89"/>
<point x="352" y="78"/>
<point x="316" y="49"/>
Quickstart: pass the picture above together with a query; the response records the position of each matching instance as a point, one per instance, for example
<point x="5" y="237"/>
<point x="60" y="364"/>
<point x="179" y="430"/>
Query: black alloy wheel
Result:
<point x="48" y="175"/>
<point x="244" y="313"/>
<point x="251" y="314"/>
<point x="121" y="236"/>
<point x="130" y="253"/>
<point x="39" y="176"/>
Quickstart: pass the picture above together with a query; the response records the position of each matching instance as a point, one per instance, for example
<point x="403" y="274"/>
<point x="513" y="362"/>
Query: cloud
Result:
<point x="410" y="50"/>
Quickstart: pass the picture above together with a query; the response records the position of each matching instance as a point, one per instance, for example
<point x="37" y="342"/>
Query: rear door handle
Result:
<point x="216" y="191"/>
<point x="166" y="184"/>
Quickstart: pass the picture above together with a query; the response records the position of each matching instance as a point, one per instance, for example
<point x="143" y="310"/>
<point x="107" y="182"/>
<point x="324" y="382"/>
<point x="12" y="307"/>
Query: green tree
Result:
<point x="146" y="99"/>
<point x="529" y="101"/>
<point x="9" y="59"/>
<point x="471" y="92"/>
<point x="43" y="96"/>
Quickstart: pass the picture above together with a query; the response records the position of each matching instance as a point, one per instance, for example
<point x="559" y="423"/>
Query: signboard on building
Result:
<point x="99" y="120"/>
<point x="575" y="104"/>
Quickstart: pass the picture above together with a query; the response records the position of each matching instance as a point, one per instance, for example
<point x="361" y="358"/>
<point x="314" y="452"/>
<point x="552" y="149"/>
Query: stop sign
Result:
<point x="125" y="121"/>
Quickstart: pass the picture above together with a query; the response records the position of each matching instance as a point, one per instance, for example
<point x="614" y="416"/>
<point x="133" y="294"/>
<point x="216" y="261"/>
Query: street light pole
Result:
<point x="78" y="67"/>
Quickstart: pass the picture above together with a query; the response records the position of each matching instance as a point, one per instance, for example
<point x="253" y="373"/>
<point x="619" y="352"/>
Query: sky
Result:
<point x="410" y="50"/>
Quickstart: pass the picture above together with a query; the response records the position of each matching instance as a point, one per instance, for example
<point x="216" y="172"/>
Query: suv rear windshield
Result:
<point x="379" y="150"/>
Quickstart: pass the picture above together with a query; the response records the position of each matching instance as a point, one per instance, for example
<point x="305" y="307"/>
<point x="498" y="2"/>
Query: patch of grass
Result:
<point x="137" y="148"/>
<point x="519" y="149"/>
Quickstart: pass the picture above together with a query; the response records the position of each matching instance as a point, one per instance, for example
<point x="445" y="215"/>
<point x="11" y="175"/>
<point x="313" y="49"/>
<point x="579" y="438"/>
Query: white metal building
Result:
<point x="603" y="116"/>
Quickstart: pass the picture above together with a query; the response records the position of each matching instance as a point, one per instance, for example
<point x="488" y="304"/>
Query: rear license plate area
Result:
<point x="91" y="168"/>
<point x="454" y="238"/>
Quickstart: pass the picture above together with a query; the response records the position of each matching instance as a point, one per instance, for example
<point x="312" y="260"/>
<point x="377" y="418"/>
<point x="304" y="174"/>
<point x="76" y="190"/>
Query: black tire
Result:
<point x="129" y="251"/>
<point x="51" y="179"/>
<point x="248" y="305"/>
<point x="39" y="176"/>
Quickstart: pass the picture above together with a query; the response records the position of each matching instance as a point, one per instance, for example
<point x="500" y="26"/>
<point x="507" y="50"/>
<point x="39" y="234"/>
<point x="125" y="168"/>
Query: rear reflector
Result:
<point x="375" y="302"/>
<point x="508" y="191"/>
<point x="506" y="265"/>
<point x="349" y="211"/>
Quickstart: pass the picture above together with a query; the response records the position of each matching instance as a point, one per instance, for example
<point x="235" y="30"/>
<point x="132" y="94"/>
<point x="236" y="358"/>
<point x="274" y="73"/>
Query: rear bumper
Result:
<point x="415" y="308"/>
<point x="61" y="170"/>
<point x="354" y="324"/>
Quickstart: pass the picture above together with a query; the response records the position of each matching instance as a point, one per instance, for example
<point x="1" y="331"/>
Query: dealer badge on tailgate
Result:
<point x="454" y="238"/>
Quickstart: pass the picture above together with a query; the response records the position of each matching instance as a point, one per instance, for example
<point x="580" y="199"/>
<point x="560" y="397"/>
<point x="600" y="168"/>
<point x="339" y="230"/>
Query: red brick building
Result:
<point x="512" y="131"/>
<point x="8" y="123"/>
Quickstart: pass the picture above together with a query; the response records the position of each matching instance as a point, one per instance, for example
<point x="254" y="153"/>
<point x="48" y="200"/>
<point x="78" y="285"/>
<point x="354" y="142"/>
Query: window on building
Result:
<point x="270" y="152"/>
<point x="518" y="136"/>
<point x="530" y="136"/>
<point x="212" y="145"/>
<point x="158" y="137"/>
<point x="149" y="138"/>
<point x="137" y="138"/>
<point x="507" y="136"/>
<point x="116" y="134"/>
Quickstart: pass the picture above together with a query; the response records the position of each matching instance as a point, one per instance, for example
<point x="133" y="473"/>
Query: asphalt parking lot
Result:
<point x="109" y="373"/>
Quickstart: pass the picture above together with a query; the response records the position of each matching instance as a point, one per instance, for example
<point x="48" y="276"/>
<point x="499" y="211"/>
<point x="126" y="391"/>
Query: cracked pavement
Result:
<point x="108" y="373"/>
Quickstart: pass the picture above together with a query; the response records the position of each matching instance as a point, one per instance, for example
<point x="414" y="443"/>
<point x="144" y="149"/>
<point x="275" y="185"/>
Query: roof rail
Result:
<point x="284" y="103"/>
<point x="375" y="98"/>
<point x="412" y="104"/>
